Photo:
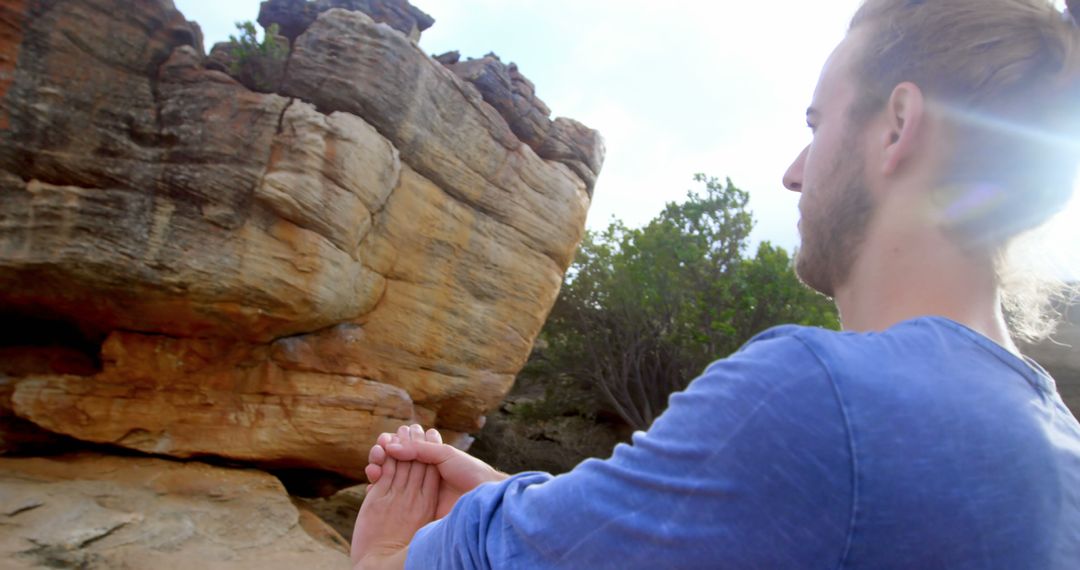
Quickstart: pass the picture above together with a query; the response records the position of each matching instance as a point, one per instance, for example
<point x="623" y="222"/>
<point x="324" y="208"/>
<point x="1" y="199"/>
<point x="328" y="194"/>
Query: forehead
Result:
<point x="836" y="85"/>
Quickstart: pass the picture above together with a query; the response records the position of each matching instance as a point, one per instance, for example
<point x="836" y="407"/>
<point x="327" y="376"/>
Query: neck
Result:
<point x="904" y="273"/>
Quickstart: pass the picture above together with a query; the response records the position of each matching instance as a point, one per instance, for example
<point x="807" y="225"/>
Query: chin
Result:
<point x="810" y="276"/>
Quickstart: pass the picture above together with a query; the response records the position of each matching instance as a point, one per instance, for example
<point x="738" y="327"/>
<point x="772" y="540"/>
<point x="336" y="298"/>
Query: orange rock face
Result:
<point x="273" y="278"/>
<point x="11" y="22"/>
<point x="185" y="397"/>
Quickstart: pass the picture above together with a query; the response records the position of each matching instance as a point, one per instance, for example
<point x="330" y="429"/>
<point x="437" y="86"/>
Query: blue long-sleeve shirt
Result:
<point x="925" y="446"/>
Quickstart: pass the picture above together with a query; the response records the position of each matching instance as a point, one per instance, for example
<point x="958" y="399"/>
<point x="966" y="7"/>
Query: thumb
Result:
<point x="422" y="451"/>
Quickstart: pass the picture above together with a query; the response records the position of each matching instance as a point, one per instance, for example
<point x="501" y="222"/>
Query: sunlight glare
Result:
<point x="1052" y="250"/>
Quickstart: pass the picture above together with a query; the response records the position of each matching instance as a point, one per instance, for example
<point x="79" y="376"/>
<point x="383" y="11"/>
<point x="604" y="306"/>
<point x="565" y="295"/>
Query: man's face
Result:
<point x="835" y="205"/>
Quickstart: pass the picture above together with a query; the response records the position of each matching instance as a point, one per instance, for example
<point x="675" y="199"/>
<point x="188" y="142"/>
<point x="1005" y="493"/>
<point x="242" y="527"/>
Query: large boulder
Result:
<point x="513" y="96"/>
<point x="276" y="277"/>
<point x="294" y="16"/>
<point x="95" y="511"/>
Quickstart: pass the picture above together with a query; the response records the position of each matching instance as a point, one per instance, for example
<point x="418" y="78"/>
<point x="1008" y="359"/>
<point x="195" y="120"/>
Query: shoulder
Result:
<point x="842" y="352"/>
<point x="778" y="347"/>
<point x="787" y="348"/>
<point x="794" y="356"/>
<point x="913" y="364"/>
<point x="798" y="364"/>
<point x="777" y="365"/>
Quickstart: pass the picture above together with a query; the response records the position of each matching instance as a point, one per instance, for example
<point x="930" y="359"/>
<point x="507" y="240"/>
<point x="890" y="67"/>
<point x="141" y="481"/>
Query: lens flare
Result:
<point x="1065" y="235"/>
<point x="1064" y="139"/>
<point x="1051" y="251"/>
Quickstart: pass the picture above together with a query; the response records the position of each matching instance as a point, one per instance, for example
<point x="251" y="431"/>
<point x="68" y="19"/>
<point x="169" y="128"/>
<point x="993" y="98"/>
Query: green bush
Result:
<point x="253" y="61"/>
<point x="644" y="310"/>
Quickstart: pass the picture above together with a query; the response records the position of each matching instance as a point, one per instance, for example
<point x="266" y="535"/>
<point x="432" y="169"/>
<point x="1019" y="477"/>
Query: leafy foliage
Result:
<point x="254" y="61"/>
<point x="248" y="45"/>
<point x="644" y="310"/>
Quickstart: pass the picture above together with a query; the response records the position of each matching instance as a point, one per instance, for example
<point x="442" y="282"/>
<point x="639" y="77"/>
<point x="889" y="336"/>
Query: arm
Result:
<point x="749" y="467"/>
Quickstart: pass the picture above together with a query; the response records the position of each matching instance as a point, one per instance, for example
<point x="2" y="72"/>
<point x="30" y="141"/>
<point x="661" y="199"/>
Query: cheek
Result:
<point x="811" y="166"/>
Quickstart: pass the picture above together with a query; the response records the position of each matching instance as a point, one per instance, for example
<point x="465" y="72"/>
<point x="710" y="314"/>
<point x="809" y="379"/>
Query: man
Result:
<point x="917" y="438"/>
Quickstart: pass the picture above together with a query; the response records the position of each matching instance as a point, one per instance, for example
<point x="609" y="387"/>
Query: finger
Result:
<point x="416" y="476"/>
<point x="402" y="440"/>
<point x="422" y="451"/>
<point x="403" y="452"/>
<point x="373" y="473"/>
<point x="377" y="454"/>
<point x="401" y="473"/>
<point x="433" y="436"/>
<point x="416" y="433"/>
<point x="415" y="482"/>
<point x="384" y="439"/>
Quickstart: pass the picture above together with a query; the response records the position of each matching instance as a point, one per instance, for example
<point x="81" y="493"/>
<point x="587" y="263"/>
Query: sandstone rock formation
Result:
<point x="93" y="511"/>
<point x="271" y="278"/>
<point x="514" y="97"/>
<point x="338" y="510"/>
<point x="293" y="17"/>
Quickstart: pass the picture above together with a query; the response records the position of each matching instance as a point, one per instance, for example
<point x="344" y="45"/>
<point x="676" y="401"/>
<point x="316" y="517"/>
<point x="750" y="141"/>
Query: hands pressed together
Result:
<point x="415" y="479"/>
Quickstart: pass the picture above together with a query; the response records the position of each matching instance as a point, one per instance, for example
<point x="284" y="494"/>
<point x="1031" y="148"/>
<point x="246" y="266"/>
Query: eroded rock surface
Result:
<point x="513" y="96"/>
<point x="338" y="510"/>
<point x="293" y="17"/>
<point x="269" y="277"/>
<point x="95" y="511"/>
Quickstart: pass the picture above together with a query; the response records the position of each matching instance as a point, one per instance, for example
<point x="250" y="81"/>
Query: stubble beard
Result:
<point x="833" y="230"/>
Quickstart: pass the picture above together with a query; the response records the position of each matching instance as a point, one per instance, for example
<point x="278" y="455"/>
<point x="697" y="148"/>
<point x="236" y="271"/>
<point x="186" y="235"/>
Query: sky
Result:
<point x="676" y="88"/>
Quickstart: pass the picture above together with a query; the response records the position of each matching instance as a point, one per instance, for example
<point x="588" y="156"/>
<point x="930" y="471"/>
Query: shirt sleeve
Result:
<point x="749" y="467"/>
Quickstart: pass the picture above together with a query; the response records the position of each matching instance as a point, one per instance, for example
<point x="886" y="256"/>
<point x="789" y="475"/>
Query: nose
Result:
<point x="793" y="178"/>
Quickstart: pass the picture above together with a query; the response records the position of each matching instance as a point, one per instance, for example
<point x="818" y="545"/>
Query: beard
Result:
<point x="834" y="223"/>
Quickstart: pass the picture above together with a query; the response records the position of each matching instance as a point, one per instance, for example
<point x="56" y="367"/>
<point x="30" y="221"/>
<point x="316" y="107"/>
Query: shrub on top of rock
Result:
<point x="258" y="65"/>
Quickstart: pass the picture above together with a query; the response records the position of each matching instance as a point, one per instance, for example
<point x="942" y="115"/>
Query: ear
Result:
<point x="904" y="114"/>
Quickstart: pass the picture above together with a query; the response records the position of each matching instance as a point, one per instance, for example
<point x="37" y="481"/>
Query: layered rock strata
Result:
<point x="514" y="97"/>
<point x="293" y="17"/>
<point x="273" y="277"/>
<point x="95" y="511"/>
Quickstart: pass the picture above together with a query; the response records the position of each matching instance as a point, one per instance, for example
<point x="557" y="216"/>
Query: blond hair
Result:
<point x="1006" y="75"/>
